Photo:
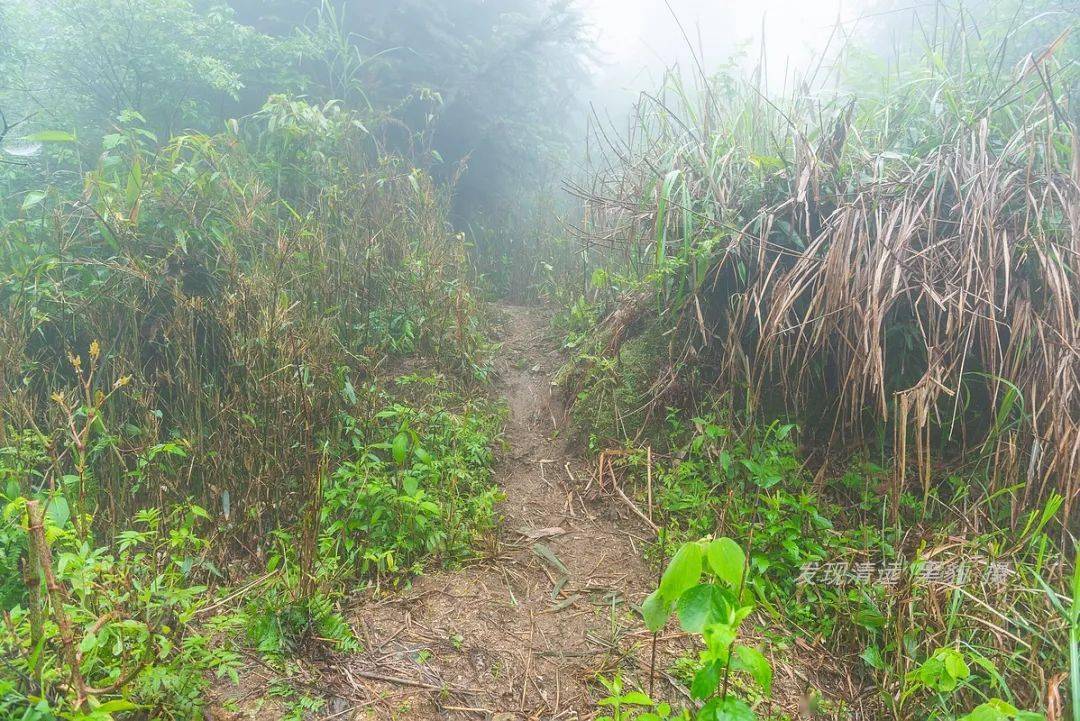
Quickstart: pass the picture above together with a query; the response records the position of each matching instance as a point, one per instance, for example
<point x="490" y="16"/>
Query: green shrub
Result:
<point x="130" y="609"/>
<point x="422" y="492"/>
<point x="704" y="585"/>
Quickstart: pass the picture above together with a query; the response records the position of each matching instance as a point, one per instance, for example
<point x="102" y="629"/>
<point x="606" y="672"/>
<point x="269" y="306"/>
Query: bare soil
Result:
<point x="525" y="632"/>
<point x="520" y="634"/>
<point x="517" y="636"/>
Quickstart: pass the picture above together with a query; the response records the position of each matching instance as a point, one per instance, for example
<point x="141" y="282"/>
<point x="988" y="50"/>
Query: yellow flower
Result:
<point x="95" y="350"/>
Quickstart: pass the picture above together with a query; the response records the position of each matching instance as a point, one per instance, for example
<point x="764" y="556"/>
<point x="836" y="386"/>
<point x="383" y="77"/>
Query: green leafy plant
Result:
<point x="997" y="710"/>
<point x="132" y="647"/>
<point x="424" y="493"/>
<point x="621" y="705"/>
<point x="943" y="672"/>
<point x="714" y="609"/>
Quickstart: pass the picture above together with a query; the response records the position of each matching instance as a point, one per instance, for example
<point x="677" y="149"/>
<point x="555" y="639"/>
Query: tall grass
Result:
<point x="900" y="261"/>
<point x="242" y="285"/>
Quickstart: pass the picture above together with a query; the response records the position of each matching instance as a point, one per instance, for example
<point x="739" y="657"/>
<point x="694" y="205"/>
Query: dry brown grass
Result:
<point x="905" y="263"/>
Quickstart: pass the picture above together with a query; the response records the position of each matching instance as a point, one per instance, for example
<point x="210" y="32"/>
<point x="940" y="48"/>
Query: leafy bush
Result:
<point x="129" y="611"/>
<point x="424" y="492"/>
<point x="414" y="489"/>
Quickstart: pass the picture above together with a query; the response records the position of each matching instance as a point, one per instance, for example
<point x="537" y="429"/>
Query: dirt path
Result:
<point x="523" y="633"/>
<point x="508" y="638"/>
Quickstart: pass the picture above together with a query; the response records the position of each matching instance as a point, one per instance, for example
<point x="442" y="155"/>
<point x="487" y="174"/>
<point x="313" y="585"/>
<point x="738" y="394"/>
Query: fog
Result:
<point x="636" y="40"/>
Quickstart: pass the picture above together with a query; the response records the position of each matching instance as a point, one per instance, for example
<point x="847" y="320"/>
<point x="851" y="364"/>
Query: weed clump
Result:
<point x="612" y="400"/>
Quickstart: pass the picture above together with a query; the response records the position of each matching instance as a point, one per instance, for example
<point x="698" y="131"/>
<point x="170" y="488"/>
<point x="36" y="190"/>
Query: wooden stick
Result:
<point x="233" y="596"/>
<point x="409" y="682"/>
<point x="631" y="504"/>
<point x="648" y="475"/>
<point x="32" y="579"/>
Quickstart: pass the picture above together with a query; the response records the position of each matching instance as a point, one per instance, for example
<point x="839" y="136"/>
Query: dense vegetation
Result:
<point x="868" y="296"/>
<point x="197" y="312"/>
<point x="248" y="356"/>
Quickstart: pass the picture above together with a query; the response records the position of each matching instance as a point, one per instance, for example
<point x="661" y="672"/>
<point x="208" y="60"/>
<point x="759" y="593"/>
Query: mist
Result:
<point x="636" y="41"/>
<point x="627" y="360"/>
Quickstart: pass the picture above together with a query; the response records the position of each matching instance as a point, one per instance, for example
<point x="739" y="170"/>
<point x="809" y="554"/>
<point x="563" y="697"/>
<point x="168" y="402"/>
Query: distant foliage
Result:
<point x="179" y="63"/>
<point x="492" y="88"/>
<point x="492" y="83"/>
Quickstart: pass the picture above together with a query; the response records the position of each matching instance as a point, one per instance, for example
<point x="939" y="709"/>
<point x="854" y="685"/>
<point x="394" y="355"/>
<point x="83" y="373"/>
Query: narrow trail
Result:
<point x="509" y="638"/>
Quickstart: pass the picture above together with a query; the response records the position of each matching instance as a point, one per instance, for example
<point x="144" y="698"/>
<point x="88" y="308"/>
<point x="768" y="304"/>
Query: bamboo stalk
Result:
<point x="32" y="579"/>
<point x="40" y="544"/>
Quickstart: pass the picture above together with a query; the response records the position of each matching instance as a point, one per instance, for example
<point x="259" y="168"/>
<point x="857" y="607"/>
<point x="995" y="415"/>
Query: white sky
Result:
<point x="636" y="34"/>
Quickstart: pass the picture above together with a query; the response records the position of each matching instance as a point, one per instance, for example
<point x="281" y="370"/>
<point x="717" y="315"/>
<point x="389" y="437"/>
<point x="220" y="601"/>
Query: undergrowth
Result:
<point x="822" y="328"/>
<point x="193" y="391"/>
<point x="412" y="489"/>
<point x="824" y="561"/>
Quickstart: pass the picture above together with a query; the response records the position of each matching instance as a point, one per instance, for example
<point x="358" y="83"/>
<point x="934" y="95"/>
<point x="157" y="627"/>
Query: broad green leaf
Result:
<point x="695" y="607"/>
<point x="59" y="511"/>
<point x="726" y="709"/>
<point x="400" y="447"/>
<point x="35" y="654"/>
<point x="636" y="698"/>
<point x="32" y="198"/>
<point x="706" y="680"/>
<point x="656" y="611"/>
<point x="988" y="712"/>
<point x="753" y="662"/>
<point x="870" y="618"/>
<point x="88" y="643"/>
<point x="349" y="392"/>
<point x="50" y="136"/>
<point x="956" y="666"/>
<point x="872" y="656"/>
<point x="726" y="559"/>
<point x="117" y="706"/>
<point x="682" y="573"/>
